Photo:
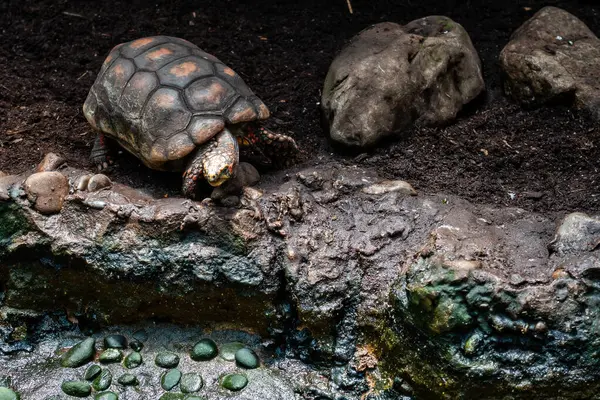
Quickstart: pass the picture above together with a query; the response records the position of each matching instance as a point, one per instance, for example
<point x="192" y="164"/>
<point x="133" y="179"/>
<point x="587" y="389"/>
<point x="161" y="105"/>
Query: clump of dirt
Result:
<point x="544" y="159"/>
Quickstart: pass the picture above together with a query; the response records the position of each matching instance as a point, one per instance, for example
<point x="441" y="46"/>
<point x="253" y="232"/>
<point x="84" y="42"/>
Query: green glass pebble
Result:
<point x="246" y="358"/>
<point x="166" y="359"/>
<point x="140" y="335"/>
<point x="79" y="355"/>
<point x="102" y="381"/>
<point x="136" y="345"/>
<point x="234" y="382"/>
<point x="206" y="349"/>
<point x="128" y="380"/>
<point x="170" y="379"/>
<point x="7" y="394"/>
<point x="115" y="342"/>
<point x="194" y="398"/>
<point x="111" y="356"/>
<point x="133" y="360"/>
<point x="191" y="382"/>
<point x="106" y="396"/>
<point x="92" y="372"/>
<point x="228" y="350"/>
<point x="76" y="388"/>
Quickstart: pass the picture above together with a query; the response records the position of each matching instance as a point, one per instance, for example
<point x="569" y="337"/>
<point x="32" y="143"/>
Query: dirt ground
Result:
<point x="543" y="160"/>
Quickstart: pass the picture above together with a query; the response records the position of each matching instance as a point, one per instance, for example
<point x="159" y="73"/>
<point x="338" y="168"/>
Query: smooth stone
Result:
<point x="92" y="372"/>
<point x="140" y="335"/>
<point x="47" y="191"/>
<point x="111" y="356"/>
<point x="166" y="359"/>
<point x="81" y="183"/>
<point x="103" y="381"/>
<point x="128" y="380"/>
<point x="136" y="345"/>
<point x="115" y="342"/>
<point x="234" y="382"/>
<point x="133" y="360"/>
<point x="191" y="382"/>
<point x="206" y="349"/>
<point x="51" y="162"/>
<point x="79" y="355"/>
<point x="247" y="358"/>
<point x="76" y="388"/>
<point x="106" y="396"/>
<point x="97" y="182"/>
<point x="170" y="379"/>
<point x="7" y="394"/>
<point x="228" y="350"/>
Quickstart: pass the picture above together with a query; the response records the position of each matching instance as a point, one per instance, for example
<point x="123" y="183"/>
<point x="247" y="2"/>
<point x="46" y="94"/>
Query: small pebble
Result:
<point x="191" y="382"/>
<point x="166" y="359"/>
<point x="206" y="349"/>
<point x="115" y="342"/>
<point x="247" y="358"/>
<point x="170" y="379"/>
<point x="133" y="360"/>
<point x="140" y="335"/>
<point x="136" y="345"/>
<point x="128" y="380"/>
<point x="102" y="381"/>
<point x="228" y="350"/>
<point x="92" y="372"/>
<point x="79" y="355"/>
<point x="111" y="356"/>
<point x="82" y="182"/>
<point x="97" y="182"/>
<point x="106" y="396"/>
<point x="234" y="382"/>
<point x="7" y="394"/>
<point x="76" y="388"/>
<point x="174" y="396"/>
<point x="50" y="162"/>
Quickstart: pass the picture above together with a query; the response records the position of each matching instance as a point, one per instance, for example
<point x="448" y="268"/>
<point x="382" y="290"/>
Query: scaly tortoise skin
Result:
<point x="176" y="108"/>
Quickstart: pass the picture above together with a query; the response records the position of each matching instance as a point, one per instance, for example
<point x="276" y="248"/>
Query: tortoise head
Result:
<point x="217" y="170"/>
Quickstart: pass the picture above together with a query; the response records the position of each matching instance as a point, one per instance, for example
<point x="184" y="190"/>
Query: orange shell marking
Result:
<point x="140" y="42"/>
<point x="119" y="71"/>
<point x="229" y="71"/>
<point x="156" y="54"/>
<point x="184" y="69"/>
<point x="164" y="100"/>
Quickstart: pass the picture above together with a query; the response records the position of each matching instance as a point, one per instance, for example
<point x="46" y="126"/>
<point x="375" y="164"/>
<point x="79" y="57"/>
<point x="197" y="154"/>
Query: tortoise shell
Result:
<point x="160" y="97"/>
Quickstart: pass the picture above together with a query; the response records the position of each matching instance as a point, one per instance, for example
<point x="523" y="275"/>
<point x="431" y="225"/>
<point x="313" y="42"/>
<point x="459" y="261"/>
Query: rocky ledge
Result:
<point x="398" y="294"/>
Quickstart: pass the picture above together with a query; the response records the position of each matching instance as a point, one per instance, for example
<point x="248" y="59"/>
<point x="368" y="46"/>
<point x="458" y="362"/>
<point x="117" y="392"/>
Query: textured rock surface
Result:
<point x="552" y="57"/>
<point x="443" y="297"/>
<point x="391" y="76"/>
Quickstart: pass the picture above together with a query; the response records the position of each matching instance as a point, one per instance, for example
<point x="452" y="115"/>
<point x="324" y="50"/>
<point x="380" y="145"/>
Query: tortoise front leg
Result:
<point x="194" y="171"/>
<point x="274" y="146"/>
<point x="99" y="155"/>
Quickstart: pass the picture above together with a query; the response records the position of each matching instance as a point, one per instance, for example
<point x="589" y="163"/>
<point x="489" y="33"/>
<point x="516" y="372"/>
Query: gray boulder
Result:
<point x="553" y="57"/>
<point x="392" y="76"/>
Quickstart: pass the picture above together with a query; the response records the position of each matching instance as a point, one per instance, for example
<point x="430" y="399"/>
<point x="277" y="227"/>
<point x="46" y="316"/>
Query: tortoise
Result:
<point x="177" y="108"/>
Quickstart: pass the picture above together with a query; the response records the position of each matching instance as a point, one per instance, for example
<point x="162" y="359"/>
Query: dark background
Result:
<point x="50" y="52"/>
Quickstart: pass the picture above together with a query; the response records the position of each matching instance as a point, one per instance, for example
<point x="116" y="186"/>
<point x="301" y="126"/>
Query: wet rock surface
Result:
<point x="391" y="76"/>
<point x="553" y="57"/>
<point x="432" y="289"/>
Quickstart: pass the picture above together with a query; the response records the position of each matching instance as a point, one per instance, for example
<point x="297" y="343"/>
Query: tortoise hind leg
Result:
<point x="275" y="146"/>
<point x="99" y="155"/>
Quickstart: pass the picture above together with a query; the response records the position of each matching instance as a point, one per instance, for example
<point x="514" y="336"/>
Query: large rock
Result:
<point x="47" y="191"/>
<point x="452" y="299"/>
<point x="553" y="57"/>
<point x="392" y="76"/>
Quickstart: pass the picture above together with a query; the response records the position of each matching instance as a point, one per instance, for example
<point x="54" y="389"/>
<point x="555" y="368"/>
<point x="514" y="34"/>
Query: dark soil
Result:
<point x="50" y="52"/>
